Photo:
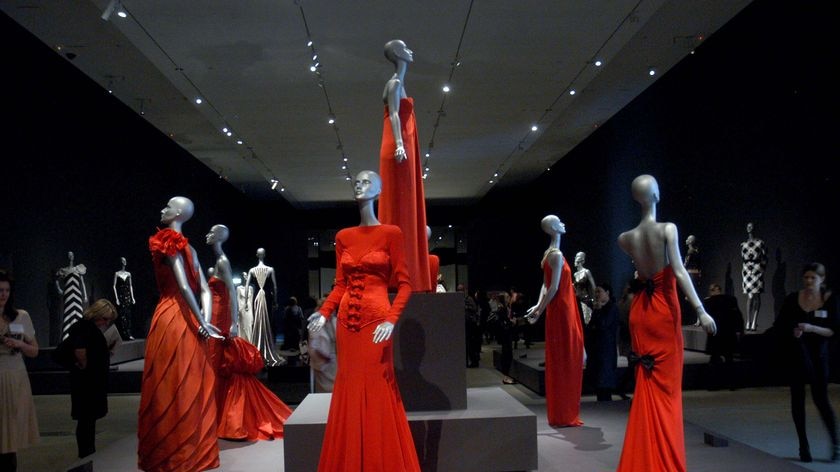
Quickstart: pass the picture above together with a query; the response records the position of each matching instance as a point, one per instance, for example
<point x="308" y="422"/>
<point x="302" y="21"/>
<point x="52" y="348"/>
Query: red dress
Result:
<point x="367" y="428"/>
<point x="563" y="352"/>
<point x="434" y="268"/>
<point x="654" y="439"/>
<point x="248" y="410"/>
<point x="176" y="428"/>
<point x="402" y="201"/>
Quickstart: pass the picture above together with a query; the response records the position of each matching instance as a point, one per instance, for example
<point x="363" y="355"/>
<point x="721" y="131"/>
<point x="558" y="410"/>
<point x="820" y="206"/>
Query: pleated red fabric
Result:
<point x="563" y="352"/>
<point x="177" y="416"/>
<point x="402" y="201"/>
<point x="654" y="440"/>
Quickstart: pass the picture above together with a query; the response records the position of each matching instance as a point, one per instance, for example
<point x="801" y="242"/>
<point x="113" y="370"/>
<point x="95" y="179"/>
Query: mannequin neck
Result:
<point x="175" y="225"/>
<point x="217" y="249"/>
<point x="400" y="69"/>
<point x="366" y="214"/>
<point x="649" y="213"/>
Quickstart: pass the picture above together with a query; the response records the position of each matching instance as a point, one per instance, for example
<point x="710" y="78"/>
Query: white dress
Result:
<point x="263" y="338"/>
<point x="245" y="300"/>
<point x="18" y="423"/>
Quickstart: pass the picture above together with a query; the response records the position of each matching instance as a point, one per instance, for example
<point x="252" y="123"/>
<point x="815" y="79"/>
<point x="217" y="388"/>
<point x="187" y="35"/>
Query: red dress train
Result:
<point x="367" y="428"/>
<point x="654" y="440"/>
<point x="248" y="410"/>
<point x="563" y="352"/>
<point x="402" y="201"/>
<point x="176" y="428"/>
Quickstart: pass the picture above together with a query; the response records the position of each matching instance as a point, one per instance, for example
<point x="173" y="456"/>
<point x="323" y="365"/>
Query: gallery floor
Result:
<point x="756" y="421"/>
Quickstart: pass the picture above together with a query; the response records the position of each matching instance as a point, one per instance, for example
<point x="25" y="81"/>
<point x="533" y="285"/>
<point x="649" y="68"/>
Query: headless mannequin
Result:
<point x="178" y="211"/>
<point x="398" y="53"/>
<point x="584" y="286"/>
<point x="219" y="234"/>
<point x="644" y="245"/>
<point x="124" y="298"/>
<point x="365" y="190"/>
<point x="754" y="257"/>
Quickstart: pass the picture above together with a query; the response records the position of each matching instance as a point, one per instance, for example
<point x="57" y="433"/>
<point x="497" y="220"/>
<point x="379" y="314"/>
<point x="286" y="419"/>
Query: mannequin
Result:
<point x="564" y="352"/>
<point x="402" y="202"/>
<point x="366" y="428"/>
<point x="434" y="262"/>
<point x="245" y="297"/>
<point x="70" y="283"/>
<point x="174" y="434"/>
<point x="654" y="440"/>
<point x="261" y="334"/>
<point x="693" y="264"/>
<point x="124" y="296"/>
<point x="584" y="287"/>
<point x="754" y="257"/>
<point x="247" y="410"/>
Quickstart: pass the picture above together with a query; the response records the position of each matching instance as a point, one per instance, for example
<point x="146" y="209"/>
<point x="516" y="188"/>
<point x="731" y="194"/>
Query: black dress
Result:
<point x="123" y="286"/>
<point x="602" y="345"/>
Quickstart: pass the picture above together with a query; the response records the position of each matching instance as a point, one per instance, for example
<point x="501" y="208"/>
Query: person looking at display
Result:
<point x="17" y="339"/>
<point x="366" y="428"/>
<point x="808" y="319"/>
<point x="654" y="439"/>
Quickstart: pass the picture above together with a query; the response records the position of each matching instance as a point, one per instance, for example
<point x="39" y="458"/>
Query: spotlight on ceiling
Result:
<point x="114" y="6"/>
<point x="446" y="89"/>
<point x="534" y="128"/>
<point x="274" y="183"/>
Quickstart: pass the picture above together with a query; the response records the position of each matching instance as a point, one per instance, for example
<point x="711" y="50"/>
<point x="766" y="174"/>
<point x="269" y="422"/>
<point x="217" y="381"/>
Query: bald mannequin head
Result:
<point x="178" y="209"/>
<point x="551" y="224"/>
<point x="645" y="189"/>
<point x="396" y="49"/>
<point x="367" y="186"/>
<point x="218" y="234"/>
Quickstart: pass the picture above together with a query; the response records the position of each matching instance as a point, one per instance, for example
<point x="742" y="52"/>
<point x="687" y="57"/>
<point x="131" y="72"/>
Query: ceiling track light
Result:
<point x="274" y="183"/>
<point x="114" y="6"/>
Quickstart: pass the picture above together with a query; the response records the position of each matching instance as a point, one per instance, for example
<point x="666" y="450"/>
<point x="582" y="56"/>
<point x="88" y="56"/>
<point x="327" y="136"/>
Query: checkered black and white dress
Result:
<point x="754" y="257"/>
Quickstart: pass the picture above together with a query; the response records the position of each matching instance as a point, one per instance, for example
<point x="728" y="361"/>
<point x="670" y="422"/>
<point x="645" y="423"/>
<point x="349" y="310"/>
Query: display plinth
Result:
<point x="445" y="440"/>
<point x="429" y="354"/>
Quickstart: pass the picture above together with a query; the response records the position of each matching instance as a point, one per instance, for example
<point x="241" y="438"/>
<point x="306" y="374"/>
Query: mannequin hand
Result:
<point x="315" y="322"/>
<point x="383" y="332"/>
<point x="133" y="302"/>
<point x="585" y="357"/>
<point x="532" y="315"/>
<point x="707" y="322"/>
<point x="234" y="331"/>
<point x="399" y="154"/>
<point x="118" y="301"/>
<point x="207" y="330"/>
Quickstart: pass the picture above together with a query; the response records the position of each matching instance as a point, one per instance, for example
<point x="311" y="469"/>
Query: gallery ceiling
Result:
<point x="510" y="65"/>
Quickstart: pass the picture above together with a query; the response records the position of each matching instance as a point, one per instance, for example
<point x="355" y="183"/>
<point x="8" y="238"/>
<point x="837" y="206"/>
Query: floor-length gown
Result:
<point x="262" y="336"/>
<point x="177" y="416"/>
<point x="244" y="296"/>
<point x="402" y="201"/>
<point x="123" y="287"/>
<point x="654" y="439"/>
<point x="248" y="410"/>
<point x="563" y="352"/>
<point x="71" y="292"/>
<point x="367" y="428"/>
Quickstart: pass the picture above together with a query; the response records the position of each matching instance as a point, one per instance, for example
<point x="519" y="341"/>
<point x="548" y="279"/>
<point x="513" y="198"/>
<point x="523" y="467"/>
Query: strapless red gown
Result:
<point x="176" y="428"/>
<point x="654" y="439"/>
<point x="367" y="428"/>
<point x="402" y="201"/>
<point x="563" y="352"/>
<point x="248" y="410"/>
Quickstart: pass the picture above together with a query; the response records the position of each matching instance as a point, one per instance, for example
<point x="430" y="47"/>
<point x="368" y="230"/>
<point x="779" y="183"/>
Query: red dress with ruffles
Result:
<point x="654" y="440"/>
<point x="176" y="428"/>
<point x="402" y="201"/>
<point x="563" y="352"/>
<point x="248" y="410"/>
<point x="367" y="428"/>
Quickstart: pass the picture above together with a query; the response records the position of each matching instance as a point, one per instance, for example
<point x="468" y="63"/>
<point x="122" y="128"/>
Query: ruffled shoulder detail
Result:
<point x="167" y="241"/>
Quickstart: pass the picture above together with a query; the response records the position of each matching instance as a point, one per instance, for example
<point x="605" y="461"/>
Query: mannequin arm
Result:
<point x="274" y="284"/>
<point x="591" y="281"/>
<point x="116" y="295"/>
<point x="554" y="260"/>
<point x="176" y="263"/>
<point x="394" y="87"/>
<point x="684" y="281"/>
<point x="58" y="286"/>
<point x="84" y="289"/>
<point x="224" y="272"/>
<point x="383" y="332"/>
<point x="131" y="289"/>
<point x="315" y="322"/>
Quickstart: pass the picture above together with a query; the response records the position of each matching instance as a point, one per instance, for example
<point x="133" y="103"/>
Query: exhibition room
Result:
<point x="419" y="235"/>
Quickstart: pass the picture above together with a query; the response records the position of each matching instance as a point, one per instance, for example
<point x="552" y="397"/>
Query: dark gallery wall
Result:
<point x="84" y="173"/>
<point x="743" y="130"/>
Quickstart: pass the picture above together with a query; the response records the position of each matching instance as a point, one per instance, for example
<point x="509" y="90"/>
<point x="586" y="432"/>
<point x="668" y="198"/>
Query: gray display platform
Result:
<point x="429" y="354"/>
<point x="461" y="440"/>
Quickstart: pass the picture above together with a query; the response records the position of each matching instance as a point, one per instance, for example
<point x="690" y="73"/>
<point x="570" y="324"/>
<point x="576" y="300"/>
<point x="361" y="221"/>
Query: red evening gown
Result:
<point x="402" y="201"/>
<point x="563" y="352"/>
<point x="176" y="428"/>
<point x="434" y="268"/>
<point x="248" y="410"/>
<point x="367" y="429"/>
<point x="654" y="439"/>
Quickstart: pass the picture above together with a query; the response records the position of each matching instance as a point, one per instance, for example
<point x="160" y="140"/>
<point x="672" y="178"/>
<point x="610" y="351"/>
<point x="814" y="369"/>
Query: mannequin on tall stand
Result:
<point x="754" y="258"/>
<point x="654" y="438"/>
<point x="124" y="296"/>
<point x="564" y="351"/>
<point x="70" y="283"/>
<point x="403" y="202"/>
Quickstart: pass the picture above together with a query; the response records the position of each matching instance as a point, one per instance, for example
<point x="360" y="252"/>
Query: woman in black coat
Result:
<point x="89" y="374"/>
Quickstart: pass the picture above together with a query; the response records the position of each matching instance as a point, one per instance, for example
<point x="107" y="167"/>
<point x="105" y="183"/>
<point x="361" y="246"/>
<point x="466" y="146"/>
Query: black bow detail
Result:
<point x="648" y="286"/>
<point x="647" y="360"/>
